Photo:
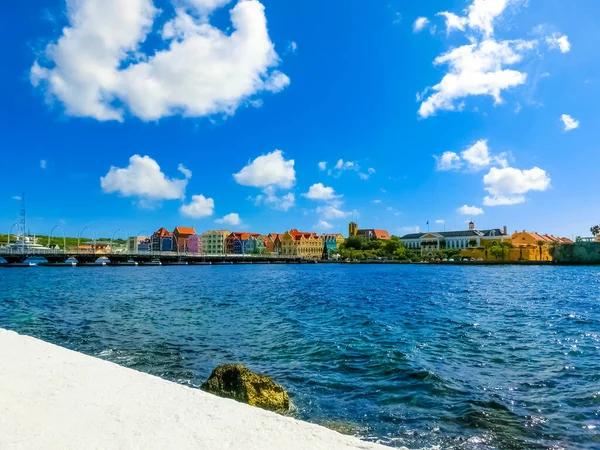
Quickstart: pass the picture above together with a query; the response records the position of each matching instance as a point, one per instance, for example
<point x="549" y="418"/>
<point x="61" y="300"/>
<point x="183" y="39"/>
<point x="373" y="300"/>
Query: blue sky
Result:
<point x="132" y="115"/>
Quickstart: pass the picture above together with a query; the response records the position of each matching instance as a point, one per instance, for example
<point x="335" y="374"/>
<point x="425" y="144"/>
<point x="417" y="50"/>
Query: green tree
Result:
<point x="540" y="245"/>
<point x="595" y="230"/>
<point x="506" y="246"/>
<point x="497" y="251"/>
<point x="354" y="242"/>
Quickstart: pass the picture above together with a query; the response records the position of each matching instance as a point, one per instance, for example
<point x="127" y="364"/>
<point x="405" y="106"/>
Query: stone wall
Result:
<point x="578" y="253"/>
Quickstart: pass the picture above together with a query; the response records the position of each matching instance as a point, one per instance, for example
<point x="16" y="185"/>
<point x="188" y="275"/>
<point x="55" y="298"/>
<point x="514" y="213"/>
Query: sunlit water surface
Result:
<point x="416" y="356"/>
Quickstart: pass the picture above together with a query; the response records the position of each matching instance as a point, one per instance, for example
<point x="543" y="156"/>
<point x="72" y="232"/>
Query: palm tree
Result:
<point x="595" y="230"/>
<point x="540" y="244"/>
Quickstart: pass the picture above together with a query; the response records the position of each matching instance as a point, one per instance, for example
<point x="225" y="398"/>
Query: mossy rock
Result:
<point x="237" y="382"/>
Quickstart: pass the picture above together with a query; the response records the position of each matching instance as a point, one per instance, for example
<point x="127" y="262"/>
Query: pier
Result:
<point x="58" y="258"/>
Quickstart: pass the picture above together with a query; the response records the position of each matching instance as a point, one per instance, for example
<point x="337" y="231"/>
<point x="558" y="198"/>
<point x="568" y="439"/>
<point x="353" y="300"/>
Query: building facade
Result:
<point x="277" y="242"/>
<point x="213" y="242"/>
<point x="368" y="233"/>
<point x="332" y="242"/>
<point x="432" y="242"/>
<point x="162" y="241"/>
<point x="139" y="244"/>
<point x="181" y="236"/>
<point x="195" y="244"/>
<point x="302" y="244"/>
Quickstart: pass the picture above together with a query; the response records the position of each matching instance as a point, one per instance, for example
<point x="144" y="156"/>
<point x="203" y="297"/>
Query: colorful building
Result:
<point x="332" y="242"/>
<point x="269" y="245"/>
<point x="277" y="242"/>
<point x="181" y="236"/>
<point x="522" y="246"/>
<point x="162" y="241"/>
<point x="241" y="243"/>
<point x="195" y="244"/>
<point x="213" y="242"/>
<point x="302" y="244"/>
<point x="139" y="244"/>
<point x="257" y="244"/>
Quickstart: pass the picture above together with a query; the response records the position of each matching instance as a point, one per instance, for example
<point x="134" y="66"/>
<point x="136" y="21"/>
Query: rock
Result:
<point x="237" y="382"/>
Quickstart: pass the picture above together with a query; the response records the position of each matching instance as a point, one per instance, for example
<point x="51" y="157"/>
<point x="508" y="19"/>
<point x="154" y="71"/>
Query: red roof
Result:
<point x="184" y="231"/>
<point x="163" y="233"/>
<point x="297" y="235"/>
<point x="242" y="236"/>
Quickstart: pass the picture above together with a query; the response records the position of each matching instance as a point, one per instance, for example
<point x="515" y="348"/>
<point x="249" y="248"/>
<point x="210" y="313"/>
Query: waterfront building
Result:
<point x="302" y="244"/>
<point x="523" y="246"/>
<point x="257" y="244"/>
<point x="269" y="245"/>
<point x="332" y="242"/>
<point x="162" y="241"/>
<point x="182" y="235"/>
<point x="240" y="243"/>
<point x="432" y="242"/>
<point x="213" y="242"/>
<point x="195" y="244"/>
<point x="368" y="233"/>
<point x="277" y="242"/>
<point x="139" y="244"/>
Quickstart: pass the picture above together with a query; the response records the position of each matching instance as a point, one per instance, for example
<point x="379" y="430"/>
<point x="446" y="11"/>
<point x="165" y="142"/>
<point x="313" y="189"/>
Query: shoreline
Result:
<point x="51" y="397"/>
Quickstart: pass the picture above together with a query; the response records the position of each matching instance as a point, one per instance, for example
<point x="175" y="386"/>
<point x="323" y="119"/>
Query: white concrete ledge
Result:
<point x="53" y="398"/>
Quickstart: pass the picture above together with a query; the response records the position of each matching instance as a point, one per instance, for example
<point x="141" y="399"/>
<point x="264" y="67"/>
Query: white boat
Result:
<point x="25" y="245"/>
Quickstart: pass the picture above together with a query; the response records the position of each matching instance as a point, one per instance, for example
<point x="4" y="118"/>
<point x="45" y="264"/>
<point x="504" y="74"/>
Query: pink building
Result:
<point x="194" y="244"/>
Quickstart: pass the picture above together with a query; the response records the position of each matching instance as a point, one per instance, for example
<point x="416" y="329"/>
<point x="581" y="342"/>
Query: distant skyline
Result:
<point x="266" y="116"/>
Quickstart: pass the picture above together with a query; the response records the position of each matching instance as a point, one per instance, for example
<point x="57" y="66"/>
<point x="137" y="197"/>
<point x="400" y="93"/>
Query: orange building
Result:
<point x="525" y="246"/>
<point x="182" y="235"/>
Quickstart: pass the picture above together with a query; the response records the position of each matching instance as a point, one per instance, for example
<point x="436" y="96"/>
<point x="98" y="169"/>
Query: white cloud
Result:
<point x="376" y="202"/>
<point x="331" y="212"/>
<point x="43" y="163"/>
<point x="143" y="178"/>
<point x="420" y="23"/>
<point x="323" y="165"/>
<point x="448" y="161"/>
<point x="363" y="176"/>
<point x="371" y="171"/>
<point x="292" y="46"/>
<point x="469" y="210"/>
<point x="440" y="221"/>
<point x="232" y="219"/>
<point x="476" y="69"/>
<point x="480" y="16"/>
<point x="187" y="173"/>
<point x="17" y="197"/>
<point x="97" y="68"/>
<point x="323" y="225"/>
<point x="569" y="122"/>
<point x="507" y="186"/>
<point x="342" y="165"/>
<point x="320" y="192"/>
<point x="198" y="208"/>
<point x="559" y="41"/>
<point x="281" y="203"/>
<point x="476" y="157"/>
<point x="268" y="170"/>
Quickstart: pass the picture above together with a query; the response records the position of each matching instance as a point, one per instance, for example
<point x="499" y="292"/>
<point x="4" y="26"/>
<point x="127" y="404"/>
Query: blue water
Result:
<point x="416" y="356"/>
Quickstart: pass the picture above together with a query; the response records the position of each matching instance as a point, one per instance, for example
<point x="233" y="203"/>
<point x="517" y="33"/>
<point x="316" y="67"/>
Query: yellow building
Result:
<point x="305" y="245"/>
<point x="525" y="246"/>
